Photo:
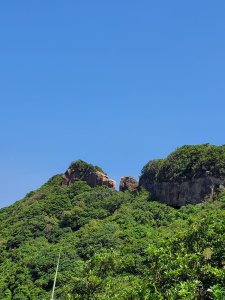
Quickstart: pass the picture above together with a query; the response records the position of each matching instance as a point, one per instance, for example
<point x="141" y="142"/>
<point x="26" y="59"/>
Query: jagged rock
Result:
<point x="87" y="173"/>
<point x="128" y="183"/>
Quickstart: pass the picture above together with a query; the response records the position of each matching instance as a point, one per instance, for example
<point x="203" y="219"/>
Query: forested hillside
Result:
<point x="114" y="245"/>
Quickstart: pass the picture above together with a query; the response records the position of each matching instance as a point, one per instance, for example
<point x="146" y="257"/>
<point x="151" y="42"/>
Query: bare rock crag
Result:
<point x="93" y="178"/>
<point x="128" y="183"/>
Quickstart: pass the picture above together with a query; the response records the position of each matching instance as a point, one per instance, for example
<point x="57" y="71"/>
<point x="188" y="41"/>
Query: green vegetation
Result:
<point x="84" y="168"/>
<point x="151" y="170"/>
<point x="187" y="162"/>
<point x="114" y="246"/>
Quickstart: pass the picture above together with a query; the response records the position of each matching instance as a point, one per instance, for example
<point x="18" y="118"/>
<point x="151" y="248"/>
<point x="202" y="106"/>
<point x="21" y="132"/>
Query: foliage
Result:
<point x="115" y="245"/>
<point x="187" y="162"/>
<point x="84" y="167"/>
<point x="151" y="170"/>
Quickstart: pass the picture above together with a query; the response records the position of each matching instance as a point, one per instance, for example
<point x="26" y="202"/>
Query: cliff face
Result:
<point x="188" y="192"/>
<point x="191" y="174"/>
<point x="87" y="173"/>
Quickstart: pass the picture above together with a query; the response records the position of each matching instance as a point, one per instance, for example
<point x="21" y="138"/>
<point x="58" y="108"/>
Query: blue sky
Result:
<point x="115" y="83"/>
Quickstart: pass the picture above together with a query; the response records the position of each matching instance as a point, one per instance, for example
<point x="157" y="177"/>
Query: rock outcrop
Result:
<point x="128" y="183"/>
<point x="86" y="172"/>
<point x="190" y="174"/>
<point x="188" y="192"/>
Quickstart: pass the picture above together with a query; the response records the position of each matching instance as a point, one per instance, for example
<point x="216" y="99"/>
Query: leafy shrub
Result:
<point x="187" y="162"/>
<point x="84" y="167"/>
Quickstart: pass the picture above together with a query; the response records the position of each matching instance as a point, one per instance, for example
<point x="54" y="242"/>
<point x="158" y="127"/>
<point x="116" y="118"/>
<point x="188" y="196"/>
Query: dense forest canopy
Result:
<point x="115" y="245"/>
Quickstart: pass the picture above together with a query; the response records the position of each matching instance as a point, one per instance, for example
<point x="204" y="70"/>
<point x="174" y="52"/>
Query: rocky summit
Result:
<point x="93" y="175"/>
<point x="189" y="175"/>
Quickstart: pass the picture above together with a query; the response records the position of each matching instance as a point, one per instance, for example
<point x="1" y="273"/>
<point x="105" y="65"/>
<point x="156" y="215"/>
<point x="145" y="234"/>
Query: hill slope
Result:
<point x="115" y="245"/>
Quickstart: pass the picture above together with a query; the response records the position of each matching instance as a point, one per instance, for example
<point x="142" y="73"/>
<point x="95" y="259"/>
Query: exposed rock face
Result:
<point x="128" y="183"/>
<point x="93" y="178"/>
<point x="188" y="192"/>
<point x="190" y="174"/>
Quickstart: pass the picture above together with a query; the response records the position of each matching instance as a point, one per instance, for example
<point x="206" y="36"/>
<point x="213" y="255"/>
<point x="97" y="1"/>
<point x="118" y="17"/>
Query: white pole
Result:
<point x="56" y="273"/>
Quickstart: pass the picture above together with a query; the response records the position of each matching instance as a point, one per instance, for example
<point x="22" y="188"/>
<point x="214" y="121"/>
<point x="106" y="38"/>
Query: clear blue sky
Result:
<point x="115" y="83"/>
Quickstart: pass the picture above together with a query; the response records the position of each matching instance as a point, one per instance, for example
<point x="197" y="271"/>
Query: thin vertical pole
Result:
<point x="56" y="273"/>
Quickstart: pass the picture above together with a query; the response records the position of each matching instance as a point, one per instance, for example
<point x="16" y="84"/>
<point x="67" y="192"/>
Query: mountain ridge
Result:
<point x="115" y="245"/>
<point x="190" y="174"/>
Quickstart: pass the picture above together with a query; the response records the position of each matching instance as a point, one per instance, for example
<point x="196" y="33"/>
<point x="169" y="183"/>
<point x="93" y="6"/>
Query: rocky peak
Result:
<point x="93" y="175"/>
<point x="128" y="183"/>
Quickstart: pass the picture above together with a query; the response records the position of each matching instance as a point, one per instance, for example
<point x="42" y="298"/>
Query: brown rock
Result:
<point x="128" y="183"/>
<point x="92" y="176"/>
